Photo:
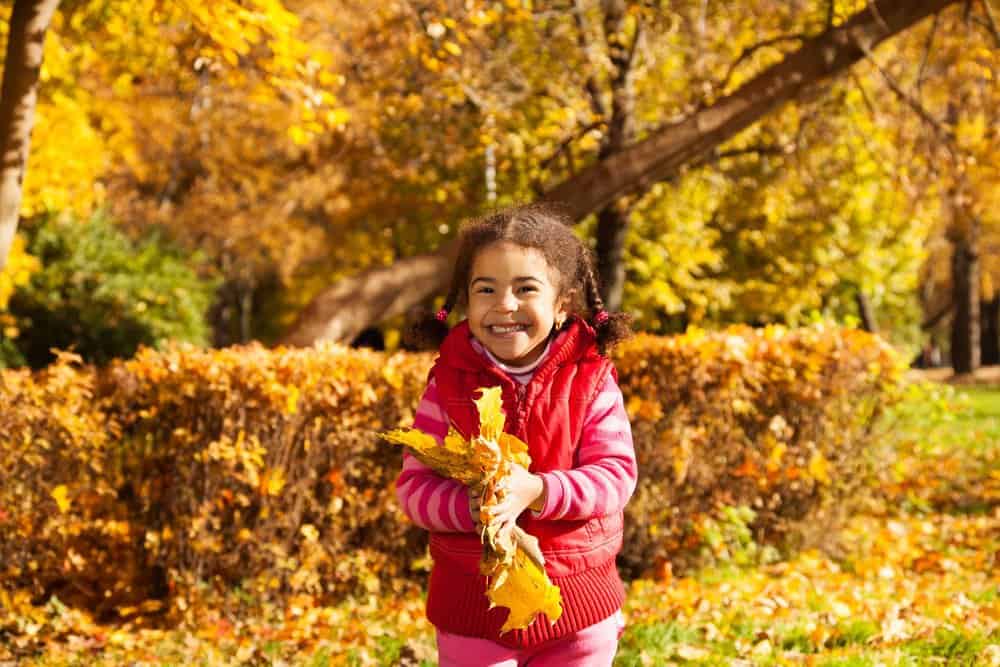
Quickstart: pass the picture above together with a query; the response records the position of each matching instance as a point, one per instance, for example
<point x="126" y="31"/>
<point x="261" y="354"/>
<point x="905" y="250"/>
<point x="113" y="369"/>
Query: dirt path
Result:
<point x="986" y="376"/>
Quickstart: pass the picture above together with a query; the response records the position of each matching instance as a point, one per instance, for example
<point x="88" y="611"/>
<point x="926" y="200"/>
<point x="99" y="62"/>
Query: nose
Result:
<point x="508" y="301"/>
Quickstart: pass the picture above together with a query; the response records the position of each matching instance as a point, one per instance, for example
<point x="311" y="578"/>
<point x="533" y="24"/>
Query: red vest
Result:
<point x="548" y="414"/>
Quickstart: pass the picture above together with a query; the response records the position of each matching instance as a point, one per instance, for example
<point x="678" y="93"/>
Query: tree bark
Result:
<point x="612" y="229"/>
<point x="613" y="219"/>
<point x="990" y="318"/>
<point x="865" y="312"/>
<point x="337" y="313"/>
<point x="341" y="312"/>
<point x="965" y="324"/>
<point x="29" y="21"/>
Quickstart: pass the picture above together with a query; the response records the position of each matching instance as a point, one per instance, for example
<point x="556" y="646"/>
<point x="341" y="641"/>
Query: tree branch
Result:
<point x="990" y="24"/>
<point x="596" y="103"/>
<point x="760" y="149"/>
<point x="912" y="102"/>
<point x="750" y="50"/>
<point x="932" y="321"/>
<point x="927" y="53"/>
<point x="565" y="144"/>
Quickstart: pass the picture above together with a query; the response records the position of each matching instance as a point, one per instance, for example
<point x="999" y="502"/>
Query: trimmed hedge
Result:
<point x="262" y="467"/>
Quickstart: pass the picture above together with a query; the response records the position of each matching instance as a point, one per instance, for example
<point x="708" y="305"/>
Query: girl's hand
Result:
<point x="475" y="503"/>
<point x="521" y="490"/>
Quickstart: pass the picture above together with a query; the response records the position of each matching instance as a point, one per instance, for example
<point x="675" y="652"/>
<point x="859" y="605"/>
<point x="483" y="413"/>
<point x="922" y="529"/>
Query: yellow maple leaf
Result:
<point x="452" y="459"/>
<point x="525" y="589"/>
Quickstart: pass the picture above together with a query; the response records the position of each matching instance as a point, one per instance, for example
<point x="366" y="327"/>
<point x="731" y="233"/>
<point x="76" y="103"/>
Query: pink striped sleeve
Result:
<point x="605" y="471"/>
<point x="431" y="501"/>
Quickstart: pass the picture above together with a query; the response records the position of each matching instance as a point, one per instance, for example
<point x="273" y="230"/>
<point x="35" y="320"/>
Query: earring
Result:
<point x="560" y="322"/>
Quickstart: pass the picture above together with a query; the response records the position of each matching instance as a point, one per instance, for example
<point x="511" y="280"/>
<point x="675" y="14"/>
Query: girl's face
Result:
<point x="513" y="302"/>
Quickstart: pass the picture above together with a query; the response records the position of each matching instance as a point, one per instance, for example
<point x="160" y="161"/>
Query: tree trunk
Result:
<point x="336" y="314"/>
<point x="612" y="228"/>
<point x="29" y="21"/>
<point x="341" y="312"/>
<point x="990" y="347"/>
<point x="613" y="219"/>
<point x="965" y="324"/>
<point x="865" y="312"/>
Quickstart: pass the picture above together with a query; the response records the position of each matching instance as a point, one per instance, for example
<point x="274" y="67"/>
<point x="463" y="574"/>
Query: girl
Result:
<point x="535" y="326"/>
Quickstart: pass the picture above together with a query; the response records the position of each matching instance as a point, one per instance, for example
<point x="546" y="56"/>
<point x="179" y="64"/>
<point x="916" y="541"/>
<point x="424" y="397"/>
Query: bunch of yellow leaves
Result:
<point x="512" y="561"/>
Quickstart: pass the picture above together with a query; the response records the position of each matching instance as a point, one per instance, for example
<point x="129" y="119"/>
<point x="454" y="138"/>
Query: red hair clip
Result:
<point x="601" y="317"/>
<point x="441" y="315"/>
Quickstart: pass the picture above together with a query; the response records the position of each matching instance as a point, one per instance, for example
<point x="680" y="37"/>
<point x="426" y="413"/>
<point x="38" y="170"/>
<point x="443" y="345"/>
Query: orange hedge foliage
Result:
<point x="123" y="487"/>
<point x="774" y="420"/>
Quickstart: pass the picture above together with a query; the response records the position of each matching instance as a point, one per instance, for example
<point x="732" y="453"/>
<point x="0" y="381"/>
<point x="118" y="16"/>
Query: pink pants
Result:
<point x="594" y="646"/>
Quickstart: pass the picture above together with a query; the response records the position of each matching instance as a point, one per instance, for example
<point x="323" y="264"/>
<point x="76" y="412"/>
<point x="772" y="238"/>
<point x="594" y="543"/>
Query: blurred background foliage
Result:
<point x="282" y="146"/>
<point x="102" y="295"/>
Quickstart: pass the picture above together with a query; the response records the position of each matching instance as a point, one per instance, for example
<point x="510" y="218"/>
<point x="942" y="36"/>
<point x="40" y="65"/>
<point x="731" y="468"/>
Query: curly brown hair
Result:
<point x="546" y="228"/>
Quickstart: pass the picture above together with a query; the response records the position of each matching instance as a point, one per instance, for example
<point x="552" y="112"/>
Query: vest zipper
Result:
<point x="520" y="392"/>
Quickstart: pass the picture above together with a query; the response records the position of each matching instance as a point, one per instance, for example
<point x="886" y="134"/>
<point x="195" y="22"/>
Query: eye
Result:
<point x="482" y="289"/>
<point x="528" y="288"/>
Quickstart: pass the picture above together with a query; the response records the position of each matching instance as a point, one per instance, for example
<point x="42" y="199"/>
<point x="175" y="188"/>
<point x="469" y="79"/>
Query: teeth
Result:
<point x="510" y="329"/>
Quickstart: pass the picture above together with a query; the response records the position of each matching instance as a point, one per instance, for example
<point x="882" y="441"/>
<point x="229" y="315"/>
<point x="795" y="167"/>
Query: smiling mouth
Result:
<point x="507" y="329"/>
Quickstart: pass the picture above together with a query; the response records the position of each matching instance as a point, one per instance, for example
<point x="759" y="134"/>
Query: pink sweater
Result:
<point x="600" y="483"/>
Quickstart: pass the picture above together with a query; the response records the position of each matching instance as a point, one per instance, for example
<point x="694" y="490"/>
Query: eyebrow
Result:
<point x="517" y="279"/>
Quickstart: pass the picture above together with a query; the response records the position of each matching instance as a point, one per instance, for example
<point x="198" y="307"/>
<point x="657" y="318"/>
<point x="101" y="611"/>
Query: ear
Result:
<point x="562" y="310"/>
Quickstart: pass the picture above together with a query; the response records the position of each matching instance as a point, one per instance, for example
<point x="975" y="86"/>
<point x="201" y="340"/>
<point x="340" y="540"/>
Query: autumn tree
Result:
<point x="944" y="109"/>
<point x="341" y="311"/>
<point x="127" y="89"/>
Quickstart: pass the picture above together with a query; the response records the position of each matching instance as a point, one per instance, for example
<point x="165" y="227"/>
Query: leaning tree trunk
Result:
<point x="338" y="313"/>
<point x="965" y="323"/>
<point x="29" y="21"/>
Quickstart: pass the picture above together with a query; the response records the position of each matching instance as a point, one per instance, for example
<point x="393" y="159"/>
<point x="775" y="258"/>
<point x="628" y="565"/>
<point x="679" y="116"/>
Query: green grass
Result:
<point x="935" y="418"/>
<point x="950" y="646"/>
<point x="658" y="643"/>
<point x="854" y="632"/>
<point x="978" y="422"/>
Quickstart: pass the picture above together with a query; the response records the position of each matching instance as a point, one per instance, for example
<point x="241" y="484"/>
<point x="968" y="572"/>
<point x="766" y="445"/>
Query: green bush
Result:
<point x="103" y="295"/>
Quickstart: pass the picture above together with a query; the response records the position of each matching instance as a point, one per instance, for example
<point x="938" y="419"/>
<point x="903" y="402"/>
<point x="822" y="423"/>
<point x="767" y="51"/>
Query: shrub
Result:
<point x="263" y="468"/>
<point x="103" y="295"/>
<point x="773" y="419"/>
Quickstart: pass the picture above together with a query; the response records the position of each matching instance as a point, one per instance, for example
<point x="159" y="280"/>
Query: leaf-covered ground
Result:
<point x="913" y="580"/>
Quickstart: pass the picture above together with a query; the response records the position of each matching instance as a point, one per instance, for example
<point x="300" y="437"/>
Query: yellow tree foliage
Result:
<point x="110" y="65"/>
<point x="20" y="266"/>
<point x="511" y="560"/>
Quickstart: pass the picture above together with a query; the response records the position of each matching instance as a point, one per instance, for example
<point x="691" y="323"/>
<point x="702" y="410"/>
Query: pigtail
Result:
<point x="611" y="328"/>
<point x="429" y="329"/>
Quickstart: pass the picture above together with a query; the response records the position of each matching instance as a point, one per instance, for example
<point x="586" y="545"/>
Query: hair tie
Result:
<point x="601" y="317"/>
<point x="441" y="315"/>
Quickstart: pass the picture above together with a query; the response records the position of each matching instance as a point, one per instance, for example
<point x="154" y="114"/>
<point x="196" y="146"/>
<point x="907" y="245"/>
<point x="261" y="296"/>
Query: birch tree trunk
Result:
<point x="29" y="20"/>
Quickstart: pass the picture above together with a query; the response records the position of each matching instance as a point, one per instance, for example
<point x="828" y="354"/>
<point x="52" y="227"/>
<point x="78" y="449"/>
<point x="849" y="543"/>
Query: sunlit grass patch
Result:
<point x="660" y="643"/>
<point x="950" y="646"/>
<point x="939" y="451"/>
